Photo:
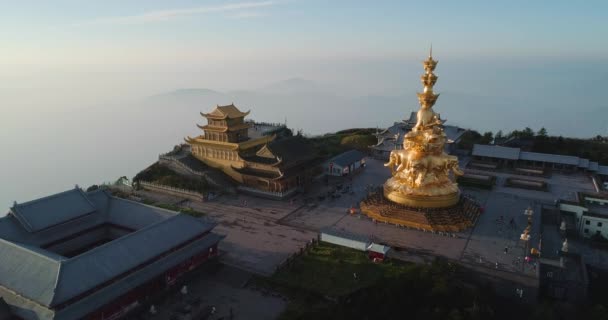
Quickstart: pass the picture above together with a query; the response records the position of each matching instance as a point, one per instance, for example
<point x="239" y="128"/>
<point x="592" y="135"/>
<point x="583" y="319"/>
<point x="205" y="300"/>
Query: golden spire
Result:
<point x="427" y="98"/>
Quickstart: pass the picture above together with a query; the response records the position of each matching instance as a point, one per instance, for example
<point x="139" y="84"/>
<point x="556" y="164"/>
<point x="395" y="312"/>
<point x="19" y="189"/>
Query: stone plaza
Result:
<point x="261" y="234"/>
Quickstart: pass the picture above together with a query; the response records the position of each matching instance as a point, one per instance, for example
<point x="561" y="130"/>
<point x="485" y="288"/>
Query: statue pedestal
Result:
<point x="422" y="201"/>
<point x="459" y="216"/>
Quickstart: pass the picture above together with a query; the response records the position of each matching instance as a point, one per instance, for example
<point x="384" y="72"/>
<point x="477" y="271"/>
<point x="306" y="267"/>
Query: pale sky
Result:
<point x="75" y="74"/>
<point x="181" y="33"/>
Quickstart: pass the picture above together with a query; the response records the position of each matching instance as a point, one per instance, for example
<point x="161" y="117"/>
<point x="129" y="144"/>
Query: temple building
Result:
<point x="225" y="137"/>
<point x="391" y="138"/>
<point x="517" y="158"/>
<point x="280" y="167"/>
<point x="252" y="155"/>
<point x="89" y="255"/>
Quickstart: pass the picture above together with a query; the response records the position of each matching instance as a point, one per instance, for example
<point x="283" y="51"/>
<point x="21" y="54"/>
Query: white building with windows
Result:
<point x="587" y="216"/>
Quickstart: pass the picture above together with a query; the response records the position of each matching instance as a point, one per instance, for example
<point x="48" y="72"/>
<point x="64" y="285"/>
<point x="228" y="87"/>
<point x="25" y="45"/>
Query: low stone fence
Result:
<point x="184" y="193"/>
<point x="268" y="194"/>
<point x="288" y="262"/>
<point x="526" y="184"/>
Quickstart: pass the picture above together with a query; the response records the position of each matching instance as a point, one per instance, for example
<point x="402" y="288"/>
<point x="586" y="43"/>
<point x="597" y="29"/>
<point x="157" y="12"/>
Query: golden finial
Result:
<point x="431" y="51"/>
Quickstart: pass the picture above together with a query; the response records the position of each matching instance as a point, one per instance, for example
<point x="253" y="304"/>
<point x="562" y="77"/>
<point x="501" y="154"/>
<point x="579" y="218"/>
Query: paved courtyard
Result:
<point x="224" y="290"/>
<point x="255" y="241"/>
<point x="494" y="243"/>
<point x="261" y="233"/>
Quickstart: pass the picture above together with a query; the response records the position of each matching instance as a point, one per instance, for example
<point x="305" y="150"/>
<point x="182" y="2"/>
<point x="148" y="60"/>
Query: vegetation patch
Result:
<point x="187" y="211"/>
<point x="330" y="145"/>
<point x="321" y="285"/>
<point x="160" y="174"/>
<point x="359" y="141"/>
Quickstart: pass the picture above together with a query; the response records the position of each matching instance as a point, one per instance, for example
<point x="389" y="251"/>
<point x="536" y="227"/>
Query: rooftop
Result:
<point x="223" y="112"/>
<point x="509" y="153"/>
<point x="49" y="211"/>
<point x="496" y="151"/>
<point x="347" y="158"/>
<point x="34" y="265"/>
<point x="387" y="141"/>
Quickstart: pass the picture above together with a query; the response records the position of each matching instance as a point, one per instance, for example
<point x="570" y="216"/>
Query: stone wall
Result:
<point x="174" y="164"/>
<point x="183" y="193"/>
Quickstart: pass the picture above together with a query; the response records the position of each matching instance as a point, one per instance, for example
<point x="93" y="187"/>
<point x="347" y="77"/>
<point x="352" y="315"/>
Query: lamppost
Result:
<point x="525" y="236"/>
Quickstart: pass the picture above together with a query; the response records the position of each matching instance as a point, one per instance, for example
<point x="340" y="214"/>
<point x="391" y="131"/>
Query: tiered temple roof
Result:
<point x="237" y="127"/>
<point x="224" y="112"/>
<point x="286" y="155"/>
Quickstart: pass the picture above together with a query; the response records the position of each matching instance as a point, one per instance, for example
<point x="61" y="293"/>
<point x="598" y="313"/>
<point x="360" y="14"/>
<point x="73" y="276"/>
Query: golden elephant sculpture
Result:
<point x="399" y="160"/>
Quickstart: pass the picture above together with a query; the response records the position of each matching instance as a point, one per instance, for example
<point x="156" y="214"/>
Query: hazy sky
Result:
<point x="72" y="71"/>
<point x="181" y="33"/>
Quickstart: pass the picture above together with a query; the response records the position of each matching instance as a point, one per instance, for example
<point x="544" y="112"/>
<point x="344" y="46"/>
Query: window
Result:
<point x="599" y="224"/>
<point x="587" y="222"/>
<point x="586" y="230"/>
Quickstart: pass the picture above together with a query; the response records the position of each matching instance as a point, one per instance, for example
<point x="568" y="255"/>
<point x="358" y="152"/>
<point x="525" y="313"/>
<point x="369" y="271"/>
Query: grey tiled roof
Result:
<point x="593" y="166"/>
<point x="547" y="157"/>
<point x="49" y="211"/>
<point x="50" y="279"/>
<point x="496" y="151"/>
<point x="453" y="133"/>
<point x="602" y="170"/>
<point x="134" y="215"/>
<point x="347" y="158"/>
<point x="96" y="266"/>
<point x="109" y="293"/>
<point x="28" y="272"/>
<point x="386" y="138"/>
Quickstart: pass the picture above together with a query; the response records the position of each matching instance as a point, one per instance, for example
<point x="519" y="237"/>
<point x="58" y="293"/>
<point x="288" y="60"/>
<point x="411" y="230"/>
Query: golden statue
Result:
<point x="421" y="171"/>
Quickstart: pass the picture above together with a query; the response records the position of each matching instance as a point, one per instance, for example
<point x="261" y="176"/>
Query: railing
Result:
<point x="190" y="194"/>
<point x="174" y="161"/>
<point x="267" y="124"/>
<point x="268" y="193"/>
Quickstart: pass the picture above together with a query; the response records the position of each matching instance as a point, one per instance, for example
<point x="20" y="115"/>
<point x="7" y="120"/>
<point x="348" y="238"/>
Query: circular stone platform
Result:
<point x="460" y="216"/>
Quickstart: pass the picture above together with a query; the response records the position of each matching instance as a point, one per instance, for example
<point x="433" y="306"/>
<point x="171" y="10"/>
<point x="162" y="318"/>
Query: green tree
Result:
<point x="487" y="137"/>
<point x="499" y="135"/>
<point x="542" y="133"/>
<point x="527" y="133"/>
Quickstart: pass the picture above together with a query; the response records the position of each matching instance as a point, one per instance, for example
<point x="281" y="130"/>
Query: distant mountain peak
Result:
<point x="193" y="91"/>
<point x="294" y="85"/>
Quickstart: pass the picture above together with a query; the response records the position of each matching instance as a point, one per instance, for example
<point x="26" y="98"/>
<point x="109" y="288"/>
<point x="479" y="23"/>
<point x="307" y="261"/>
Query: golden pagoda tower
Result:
<point x="421" y="192"/>
<point x="421" y="171"/>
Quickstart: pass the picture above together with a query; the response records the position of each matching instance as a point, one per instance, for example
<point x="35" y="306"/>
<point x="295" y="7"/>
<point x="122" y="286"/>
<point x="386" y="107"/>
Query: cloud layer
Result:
<point x="238" y="10"/>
